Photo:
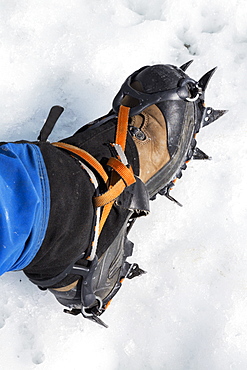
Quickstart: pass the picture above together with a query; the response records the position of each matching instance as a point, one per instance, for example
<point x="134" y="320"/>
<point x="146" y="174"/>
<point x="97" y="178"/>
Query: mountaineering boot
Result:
<point x="164" y="132"/>
<point x="128" y="156"/>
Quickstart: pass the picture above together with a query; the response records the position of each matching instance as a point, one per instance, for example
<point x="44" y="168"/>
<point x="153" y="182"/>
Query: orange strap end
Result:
<point x="122" y="126"/>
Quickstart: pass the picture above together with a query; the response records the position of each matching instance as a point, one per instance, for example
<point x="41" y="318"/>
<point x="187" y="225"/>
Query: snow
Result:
<point x="190" y="310"/>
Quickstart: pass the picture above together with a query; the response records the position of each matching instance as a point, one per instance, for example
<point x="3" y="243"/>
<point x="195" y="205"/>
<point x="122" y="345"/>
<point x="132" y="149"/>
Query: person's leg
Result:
<point x="167" y="110"/>
<point x="102" y="177"/>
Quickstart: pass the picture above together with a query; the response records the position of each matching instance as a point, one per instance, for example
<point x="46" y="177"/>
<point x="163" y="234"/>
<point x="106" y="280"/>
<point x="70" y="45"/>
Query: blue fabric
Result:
<point x="24" y="204"/>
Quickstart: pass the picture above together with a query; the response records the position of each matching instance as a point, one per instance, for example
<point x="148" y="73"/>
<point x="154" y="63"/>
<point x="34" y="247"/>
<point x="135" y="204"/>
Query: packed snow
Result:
<point x="189" y="312"/>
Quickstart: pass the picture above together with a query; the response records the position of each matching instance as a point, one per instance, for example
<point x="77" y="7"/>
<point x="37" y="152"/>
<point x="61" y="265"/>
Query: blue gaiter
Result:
<point x="24" y="204"/>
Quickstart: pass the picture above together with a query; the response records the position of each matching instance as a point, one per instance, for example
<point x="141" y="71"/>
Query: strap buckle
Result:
<point x="87" y="295"/>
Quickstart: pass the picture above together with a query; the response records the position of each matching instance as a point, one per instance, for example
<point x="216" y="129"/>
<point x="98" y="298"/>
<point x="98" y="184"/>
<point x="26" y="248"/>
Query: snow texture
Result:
<point x="189" y="312"/>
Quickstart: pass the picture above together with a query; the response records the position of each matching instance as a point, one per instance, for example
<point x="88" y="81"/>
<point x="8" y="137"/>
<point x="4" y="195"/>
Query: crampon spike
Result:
<point x="96" y="319"/>
<point x="167" y="194"/>
<point x="186" y="65"/>
<point x="199" y="154"/>
<point x="212" y="115"/>
<point x="173" y="200"/>
<point x="204" y="80"/>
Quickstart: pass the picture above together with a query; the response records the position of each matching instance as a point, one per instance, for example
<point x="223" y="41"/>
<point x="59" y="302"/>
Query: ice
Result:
<point x="190" y="310"/>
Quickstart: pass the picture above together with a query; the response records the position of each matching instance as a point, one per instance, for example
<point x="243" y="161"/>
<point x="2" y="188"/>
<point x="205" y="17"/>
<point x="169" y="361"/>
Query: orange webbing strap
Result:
<point x="127" y="178"/>
<point x="105" y="213"/>
<point x="107" y="199"/>
<point x="110" y="195"/>
<point x="122" y="126"/>
<point x="86" y="156"/>
<point x="124" y="172"/>
<point x="120" y="139"/>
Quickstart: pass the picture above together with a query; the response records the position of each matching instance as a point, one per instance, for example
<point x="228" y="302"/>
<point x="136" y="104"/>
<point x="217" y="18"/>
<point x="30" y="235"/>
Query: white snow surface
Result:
<point x="189" y="312"/>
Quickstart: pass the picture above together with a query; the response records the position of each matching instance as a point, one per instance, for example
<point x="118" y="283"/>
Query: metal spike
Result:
<point x="204" y="80"/>
<point x="186" y="65"/>
<point x="96" y="319"/>
<point x="134" y="271"/>
<point x="173" y="200"/>
<point x="199" y="154"/>
<point x="211" y="115"/>
<point x="166" y="192"/>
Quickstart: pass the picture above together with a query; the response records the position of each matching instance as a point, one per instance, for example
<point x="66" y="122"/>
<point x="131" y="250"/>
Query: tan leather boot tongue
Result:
<point x="152" y="143"/>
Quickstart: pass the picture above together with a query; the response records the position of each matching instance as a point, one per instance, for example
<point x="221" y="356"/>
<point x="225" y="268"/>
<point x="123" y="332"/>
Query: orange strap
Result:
<point x="120" y="139"/>
<point x="123" y="171"/>
<point x="104" y="215"/>
<point x="122" y="126"/>
<point x="110" y="195"/>
<point x="86" y="156"/>
<point x="127" y="178"/>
